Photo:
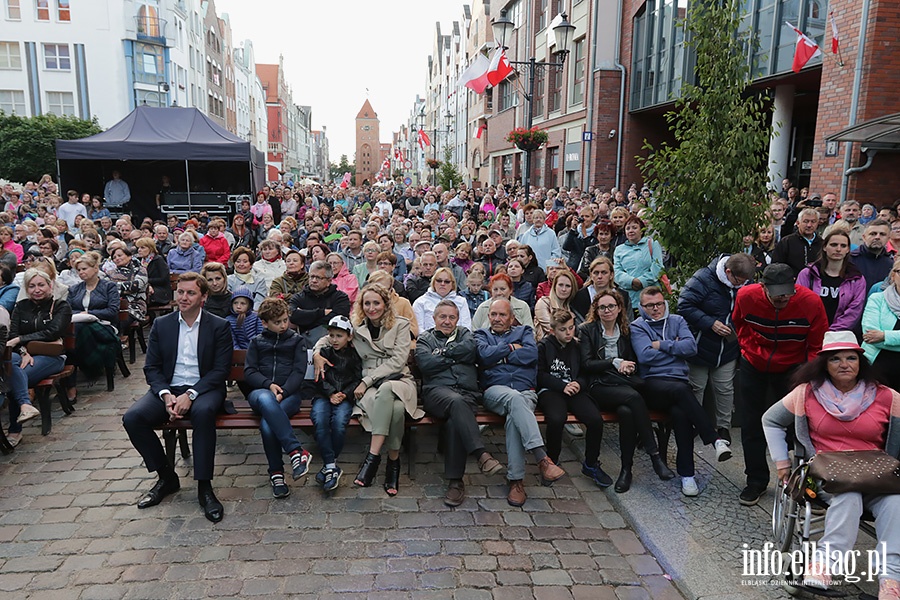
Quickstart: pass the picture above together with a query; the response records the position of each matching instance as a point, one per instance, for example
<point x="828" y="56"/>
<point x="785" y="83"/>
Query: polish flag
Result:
<point x="835" y="40"/>
<point x="424" y="140"/>
<point x="483" y="73"/>
<point x="481" y="129"/>
<point x="805" y="51"/>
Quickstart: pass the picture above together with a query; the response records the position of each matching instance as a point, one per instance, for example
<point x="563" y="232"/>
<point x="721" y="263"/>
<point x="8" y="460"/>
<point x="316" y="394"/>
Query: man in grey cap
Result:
<point x="779" y="326"/>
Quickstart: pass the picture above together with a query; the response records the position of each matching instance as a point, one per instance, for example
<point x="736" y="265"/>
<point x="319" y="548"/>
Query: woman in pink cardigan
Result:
<point x="839" y="284"/>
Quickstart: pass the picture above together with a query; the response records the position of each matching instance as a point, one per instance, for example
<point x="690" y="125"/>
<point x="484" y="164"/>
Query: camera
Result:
<point x="814" y="203"/>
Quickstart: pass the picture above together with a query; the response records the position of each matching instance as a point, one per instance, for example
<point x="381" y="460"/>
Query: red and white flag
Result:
<point x="481" y="129"/>
<point x="424" y="140"/>
<point x="805" y="51"/>
<point x="835" y="39"/>
<point x="398" y="154"/>
<point x="483" y="73"/>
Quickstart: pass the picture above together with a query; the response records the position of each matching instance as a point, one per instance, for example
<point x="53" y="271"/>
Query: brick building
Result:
<point x="368" y="147"/>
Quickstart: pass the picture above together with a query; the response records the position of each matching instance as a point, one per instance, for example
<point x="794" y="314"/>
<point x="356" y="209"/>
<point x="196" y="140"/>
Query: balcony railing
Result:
<point x="150" y="29"/>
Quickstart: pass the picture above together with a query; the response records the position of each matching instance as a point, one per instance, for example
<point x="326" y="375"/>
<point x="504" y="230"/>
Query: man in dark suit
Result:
<point x="188" y="359"/>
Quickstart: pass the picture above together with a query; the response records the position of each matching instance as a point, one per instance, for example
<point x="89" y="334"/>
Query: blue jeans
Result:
<point x="331" y="426"/>
<point x="522" y="431"/>
<point x="275" y="427"/>
<point x="21" y="379"/>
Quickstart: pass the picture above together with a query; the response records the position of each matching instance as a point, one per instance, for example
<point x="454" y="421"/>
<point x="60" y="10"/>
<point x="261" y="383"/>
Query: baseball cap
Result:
<point x="341" y="322"/>
<point x="779" y="280"/>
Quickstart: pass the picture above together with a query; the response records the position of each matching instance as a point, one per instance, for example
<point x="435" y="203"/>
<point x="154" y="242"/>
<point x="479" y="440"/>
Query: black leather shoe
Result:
<point x="660" y="467"/>
<point x="392" y="477"/>
<point x="212" y="508"/>
<point x="160" y="490"/>
<point x="623" y="483"/>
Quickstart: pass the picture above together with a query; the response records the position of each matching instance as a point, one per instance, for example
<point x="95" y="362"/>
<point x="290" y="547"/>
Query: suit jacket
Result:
<point x="214" y="348"/>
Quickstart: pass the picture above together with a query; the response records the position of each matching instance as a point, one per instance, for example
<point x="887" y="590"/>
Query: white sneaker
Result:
<point x="574" y="430"/>
<point x="723" y="450"/>
<point x="27" y="412"/>
<point x="689" y="486"/>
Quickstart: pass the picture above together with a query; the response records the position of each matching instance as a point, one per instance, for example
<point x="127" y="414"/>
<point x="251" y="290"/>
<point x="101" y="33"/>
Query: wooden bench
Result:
<point x="175" y="432"/>
<point x="135" y="331"/>
<point x="43" y="388"/>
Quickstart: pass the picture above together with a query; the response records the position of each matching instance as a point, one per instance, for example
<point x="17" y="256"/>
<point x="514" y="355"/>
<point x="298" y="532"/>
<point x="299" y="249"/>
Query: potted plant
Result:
<point x="433" y="163"/>
<point x="527" y="139"/>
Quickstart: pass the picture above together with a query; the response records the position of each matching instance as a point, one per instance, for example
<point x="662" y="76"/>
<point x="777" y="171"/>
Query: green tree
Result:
<point x="337" y="170"/>
<point x="709" y="186"/>
<point x="28" y="144"/>
<point x="448" y="176"/>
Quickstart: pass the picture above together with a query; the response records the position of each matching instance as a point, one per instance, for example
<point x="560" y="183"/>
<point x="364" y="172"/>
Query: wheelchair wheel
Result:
<point x="784" y="519"/>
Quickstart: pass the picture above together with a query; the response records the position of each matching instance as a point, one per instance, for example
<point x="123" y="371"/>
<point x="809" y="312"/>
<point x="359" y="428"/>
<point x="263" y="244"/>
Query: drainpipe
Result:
<point x="870" y="156"/>
<point x="589" y="97"/>
<point x="854" y="100"/>
<point x="621" y="69"/>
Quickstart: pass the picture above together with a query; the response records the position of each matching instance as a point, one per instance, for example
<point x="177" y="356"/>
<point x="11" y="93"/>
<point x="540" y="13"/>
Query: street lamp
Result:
<point x="562" y="33"/>
<point x="448" y="122"/>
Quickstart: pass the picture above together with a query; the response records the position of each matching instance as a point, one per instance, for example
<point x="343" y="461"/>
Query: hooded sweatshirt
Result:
<point x="252" y="326"/>
<point x="676" y="345"/>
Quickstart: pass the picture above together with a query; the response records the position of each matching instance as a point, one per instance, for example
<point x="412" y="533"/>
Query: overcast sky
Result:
<point x="334" y="50"/>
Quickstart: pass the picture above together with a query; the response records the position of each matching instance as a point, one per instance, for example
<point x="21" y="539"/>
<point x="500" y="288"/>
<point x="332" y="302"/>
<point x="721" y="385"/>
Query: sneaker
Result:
<point x="724" y="433"/>
<point x="597" y="474"/>
<point x="300" y="464"/>
<point x="279" y="487"/>
<point x="575" y="430"/>
<point x="723" y="450"/>
<point x="332" y="479"/>
<point x="751" y="494"/>
<point x="27" y="412"/>
<point x="320" y="476"/>
<point x="550" y="472"/>
<point x="689" y="487"/>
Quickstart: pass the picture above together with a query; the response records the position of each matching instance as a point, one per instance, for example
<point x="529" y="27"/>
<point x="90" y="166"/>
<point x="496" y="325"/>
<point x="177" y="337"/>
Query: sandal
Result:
<point x="489" y="465"/>
<point x="367" y="470"/>
<point x="392" y="477"/>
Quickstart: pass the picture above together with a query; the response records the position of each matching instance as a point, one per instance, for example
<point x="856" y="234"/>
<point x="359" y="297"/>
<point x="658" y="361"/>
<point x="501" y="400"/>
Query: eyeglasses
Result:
<point x="607" y="307"/>
<point x="653" y="305"/>
<point x="895" y="271"/>
<point x="317" y="277"/>
<point x="442" y="281"/>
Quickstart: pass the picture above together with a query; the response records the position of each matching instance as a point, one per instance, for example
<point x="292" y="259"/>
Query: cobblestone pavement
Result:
<point x="69" y="527"/>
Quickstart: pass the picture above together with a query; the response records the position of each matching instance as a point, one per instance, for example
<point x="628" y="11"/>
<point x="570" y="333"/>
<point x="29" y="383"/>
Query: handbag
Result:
<point x="663" y="278"/>
<point x="36" y="348"/>
<point x="613" y="377"/>
<point x="863" y="471"/>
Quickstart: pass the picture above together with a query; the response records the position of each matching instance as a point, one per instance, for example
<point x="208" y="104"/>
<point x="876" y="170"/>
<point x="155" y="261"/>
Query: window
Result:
<point x="578" y="72"/>
<point x="12" y="102"/>
<point x="61" y="103"/>
<point x="14" y="10"/>
<point x="63" y="11"/>
<point x="10" y="56"/>
<point x="56" y="57"/>
<point x="553" y="166"/>
<point x="43" y="9"/>
<point x="554" y="92"/>
<point x="540" y="15"/>
<point x="507" y="93"/>
<point x="148" y="64"/>
<point x="537" y="101"/>
<point x="557" y="7"/>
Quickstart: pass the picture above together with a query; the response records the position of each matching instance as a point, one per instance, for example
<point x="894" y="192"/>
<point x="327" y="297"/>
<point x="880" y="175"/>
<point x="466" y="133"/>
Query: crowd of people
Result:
<point x="557" y="302"/>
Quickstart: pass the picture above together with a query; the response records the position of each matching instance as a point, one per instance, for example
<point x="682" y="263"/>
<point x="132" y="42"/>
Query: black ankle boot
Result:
<point x="660" y="467"/>
<point x="392" y="477"/>
<point x="623" y="483"/>
<point x="367" y="470"/>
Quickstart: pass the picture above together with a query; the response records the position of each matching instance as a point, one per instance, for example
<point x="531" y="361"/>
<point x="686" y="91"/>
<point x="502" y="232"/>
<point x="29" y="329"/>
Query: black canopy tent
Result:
<point x="196" y="154"/>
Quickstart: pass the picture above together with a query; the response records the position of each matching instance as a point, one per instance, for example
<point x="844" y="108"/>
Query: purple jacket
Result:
<point x="851" y="295"/>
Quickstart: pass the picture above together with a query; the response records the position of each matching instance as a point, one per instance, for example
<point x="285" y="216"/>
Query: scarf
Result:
<point x="892" y="297"/>
<point x="295" y="276"/>
<point x="245" y="277"/>
<point x="845" y="406"/>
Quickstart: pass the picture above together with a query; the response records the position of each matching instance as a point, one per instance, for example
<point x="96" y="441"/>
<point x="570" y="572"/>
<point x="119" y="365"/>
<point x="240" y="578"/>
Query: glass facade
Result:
<point x="660" y="61"/>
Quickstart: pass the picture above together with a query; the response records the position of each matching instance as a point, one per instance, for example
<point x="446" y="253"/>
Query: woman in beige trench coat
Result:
<point x="387" y="391"/>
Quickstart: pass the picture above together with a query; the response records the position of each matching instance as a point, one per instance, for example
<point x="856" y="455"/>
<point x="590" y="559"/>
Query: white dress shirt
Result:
<point x="187" y="360"/>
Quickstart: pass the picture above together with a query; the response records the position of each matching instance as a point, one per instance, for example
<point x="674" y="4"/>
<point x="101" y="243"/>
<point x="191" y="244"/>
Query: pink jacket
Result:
<point x="851" y="295"/>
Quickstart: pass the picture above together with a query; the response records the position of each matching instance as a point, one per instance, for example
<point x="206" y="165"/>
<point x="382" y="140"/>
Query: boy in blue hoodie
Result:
<point x="245" y="324"/>
<point x="662" y="343"/>
<point x="274" y="370"/>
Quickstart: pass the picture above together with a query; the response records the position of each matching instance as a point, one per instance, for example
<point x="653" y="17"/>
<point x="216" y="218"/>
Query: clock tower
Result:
<point x="368" y="146"/>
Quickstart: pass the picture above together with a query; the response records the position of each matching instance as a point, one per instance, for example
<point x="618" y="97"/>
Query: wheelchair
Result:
<point x="796" y="523"/>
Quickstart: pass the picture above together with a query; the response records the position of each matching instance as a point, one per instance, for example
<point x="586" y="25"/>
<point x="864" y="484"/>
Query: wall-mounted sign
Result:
<point x="831" y="148"/>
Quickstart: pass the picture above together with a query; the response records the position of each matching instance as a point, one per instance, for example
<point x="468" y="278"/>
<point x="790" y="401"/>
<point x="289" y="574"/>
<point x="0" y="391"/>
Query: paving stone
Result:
<point x="552" y="593"/>
<point x="644" y="564"/>
<point x="551" y="577"/>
